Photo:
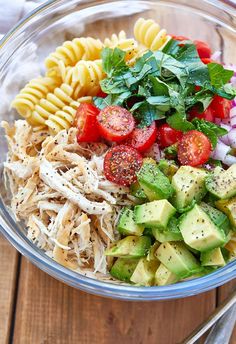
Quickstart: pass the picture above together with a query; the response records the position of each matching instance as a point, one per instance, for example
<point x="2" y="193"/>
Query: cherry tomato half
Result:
<point x="101" y="94"/>
<point x="179" y="38"/>
<point x="221" y="107"/>
<point x="208" y="114"/>
<point x="194" y="148"/>
<point x="121" y="163"/>
<point x="115" y="123"/>
<point x="207" y="60"/>
<point x="86" y="122"/>
<point x="203" y="49"/>
<point x="167" y="136"/>
<point x="143" y="138"/>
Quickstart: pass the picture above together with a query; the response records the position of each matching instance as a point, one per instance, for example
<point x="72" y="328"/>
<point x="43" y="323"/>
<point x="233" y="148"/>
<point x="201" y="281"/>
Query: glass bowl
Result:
<point x="38" y="34"/>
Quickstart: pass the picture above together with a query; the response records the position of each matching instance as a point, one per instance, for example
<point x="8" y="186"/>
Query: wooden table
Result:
<point x="37" y="309"/>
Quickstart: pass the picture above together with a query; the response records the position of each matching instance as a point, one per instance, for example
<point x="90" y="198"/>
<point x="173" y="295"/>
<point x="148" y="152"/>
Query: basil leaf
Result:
<point x="179" y="122"/>
<point x="218" y="74"/>
<point x="198" y="72"/>
<point x="211" y="130"/>
<point x="202" y="98"/>
<point x="146" y="113"/>
<point x="113" y="61"/>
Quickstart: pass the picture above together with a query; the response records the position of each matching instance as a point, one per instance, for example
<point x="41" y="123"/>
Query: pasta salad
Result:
<point x="123" y="167"/>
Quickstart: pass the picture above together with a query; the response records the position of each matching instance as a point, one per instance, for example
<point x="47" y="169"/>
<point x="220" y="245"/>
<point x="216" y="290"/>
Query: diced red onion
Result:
<point x="232" y="112"/>
<point x="153" y="152"/>
<point x="233" y="121"/>
<point x="216" y="55"/>
<point x="229" y="160"/>
<point x="220" y="151"/>
<point x="225" y="138"/>
<point x="232" y="138"/>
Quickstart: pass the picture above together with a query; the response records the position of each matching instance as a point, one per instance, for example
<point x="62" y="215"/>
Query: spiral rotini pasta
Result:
<point x="129" y="45"/>
<point x="64" y="118"/>
<point x="70" y="52"/>
<point x="84" y="78"/>
<point x="51" y="104"/>
<point x="149" y="33"/>
<point x="31" y="94"/>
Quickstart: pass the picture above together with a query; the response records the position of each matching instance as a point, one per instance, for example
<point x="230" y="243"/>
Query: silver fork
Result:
<point x="223" y="319"/>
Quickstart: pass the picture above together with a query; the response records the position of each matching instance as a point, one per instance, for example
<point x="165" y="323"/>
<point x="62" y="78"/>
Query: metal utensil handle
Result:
<point x="223" y="328"/>
<point x="221" y="310"/>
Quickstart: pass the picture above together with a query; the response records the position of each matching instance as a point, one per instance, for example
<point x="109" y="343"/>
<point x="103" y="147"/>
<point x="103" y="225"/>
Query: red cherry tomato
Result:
<point x="115" y="123"/>
<point x="207" y="60"/>
<point x="167" y="136"/>
<point x="208" y="114"/>
<point x="179" y="38"/>
<point x="101" y="94"/>
<point x="203" y="49"/>
<point x="121" y="163"/>
<point x="86" y="122"/>
<point x="194" y="148"/>
<point x="221" y="107"/>
<point x="143" y="138"/>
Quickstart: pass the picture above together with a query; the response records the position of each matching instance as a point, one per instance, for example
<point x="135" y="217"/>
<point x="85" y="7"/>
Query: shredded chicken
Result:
<point x="58" y="188"/>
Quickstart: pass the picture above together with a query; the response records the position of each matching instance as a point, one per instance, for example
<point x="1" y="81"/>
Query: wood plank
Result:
<point x="223" y="292"/>
<point x="8" y="269"/>
<point x="51" y="312"/>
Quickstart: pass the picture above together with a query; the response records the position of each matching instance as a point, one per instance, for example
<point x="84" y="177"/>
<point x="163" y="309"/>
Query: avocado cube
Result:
<point x="164" y="276"/>
<point x="123" y="268"/>
<point x="144" y="272"/>
<point x="212" y="258"/>
<point x="189" y="185"/>
<point x="223" y="184"/>
<point x="199" y="231"/>
<point x="152" y="251"/>
<point x="177" y="258"/>
<point x="229" y="208"/>
<point x="154" y="183"/>
<point x="137" y="191"/>
<point x="130" y="247"/>
<point x="154" y="214"/>
<point x="168" y="167"/>
<point x="126" y="224"/>
<point x="231" y="245"/>
<point x="219" y="218"/>
<point x="171" y="233"/>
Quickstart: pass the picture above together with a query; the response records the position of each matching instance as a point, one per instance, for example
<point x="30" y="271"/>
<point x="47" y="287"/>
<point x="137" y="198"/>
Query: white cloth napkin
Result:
<point x="11" y="11"/>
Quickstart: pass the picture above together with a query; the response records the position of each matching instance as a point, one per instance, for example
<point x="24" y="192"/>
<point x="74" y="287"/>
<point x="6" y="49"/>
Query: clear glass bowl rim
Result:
<point x="40" y="259"/>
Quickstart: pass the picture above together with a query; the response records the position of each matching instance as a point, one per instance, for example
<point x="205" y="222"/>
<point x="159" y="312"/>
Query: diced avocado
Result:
<point x="130" y="247"/>
<point x="225" y="254"/>
<point x="231" y="245"/>
<point x="144" y="272"/>
<point x="123" y="268"/>
<point x="152" y="251"/>
<point x="223" y="184"/>
<point x="199" y="231"/>
<point x="189" y="185"/>
<point x="154" y="214"/>
<point x="229" y="208"/>
<point x="126" y="224"/>
<point x="212" y="258"/>
<point x="137" y="191"/>
<point x="216" y="216"/>
<point x="164" y="276"/>
<point x="177" y="258"/>
<point x="171" y="233"/>
<point x="153" y="182"/>
<point x="168" y="167"/>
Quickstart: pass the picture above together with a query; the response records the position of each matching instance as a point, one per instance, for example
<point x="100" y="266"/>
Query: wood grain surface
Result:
<point x="8" y="274"/>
